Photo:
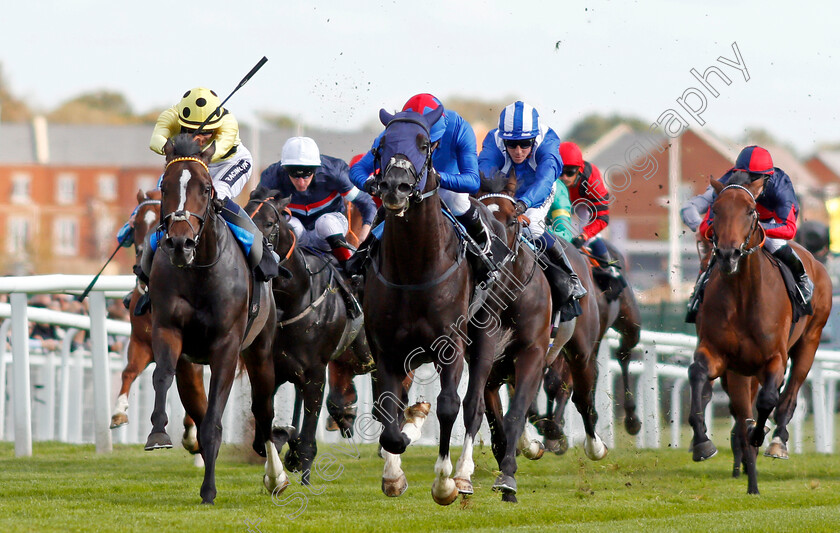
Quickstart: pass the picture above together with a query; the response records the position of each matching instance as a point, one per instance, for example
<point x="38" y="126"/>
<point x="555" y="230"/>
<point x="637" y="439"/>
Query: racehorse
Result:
<point x="204" y="303"/>
<point x="313" y="326"/>
<point x="417" y="296"/>
<point x="139" y="352"/>
<point x="745" y="324"/>
<point x="624" y="317"/>
<point x="524" y="310"/>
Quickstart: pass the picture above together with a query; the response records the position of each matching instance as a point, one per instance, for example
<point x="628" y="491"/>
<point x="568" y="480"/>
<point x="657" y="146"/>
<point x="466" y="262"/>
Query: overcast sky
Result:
<point x="335" y="63"/>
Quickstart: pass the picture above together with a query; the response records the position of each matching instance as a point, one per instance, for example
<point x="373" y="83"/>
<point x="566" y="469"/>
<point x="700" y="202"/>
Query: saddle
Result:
<point x="609" y="284"/>
<point x="799" y="309"/>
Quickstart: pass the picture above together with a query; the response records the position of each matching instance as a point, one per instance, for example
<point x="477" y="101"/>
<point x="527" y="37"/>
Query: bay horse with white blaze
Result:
<point x="745" y="324"/>
<point x="416" y="299"/>
<point x="203" y="303"/>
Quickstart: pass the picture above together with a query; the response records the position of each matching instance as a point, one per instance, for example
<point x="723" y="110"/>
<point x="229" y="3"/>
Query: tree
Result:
<point x="593" y="126"/>
<point x="278" y="120"/>
<point x="12" y="109"/>
<point x="98" y="107"/>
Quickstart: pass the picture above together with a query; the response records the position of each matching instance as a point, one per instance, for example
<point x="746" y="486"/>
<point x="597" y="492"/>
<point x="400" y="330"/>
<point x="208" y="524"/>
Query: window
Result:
<point x="18" y="235"/>
<point x="66" y="190"/>
<point x="21" y="187"/>
<point x="146" y="182"/>
<point x="66" y="236"/>
<point x="107" y="186"/>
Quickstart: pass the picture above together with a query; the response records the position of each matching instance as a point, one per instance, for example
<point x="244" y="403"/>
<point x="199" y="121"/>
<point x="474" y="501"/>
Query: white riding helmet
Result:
<point x="300" y="152"/>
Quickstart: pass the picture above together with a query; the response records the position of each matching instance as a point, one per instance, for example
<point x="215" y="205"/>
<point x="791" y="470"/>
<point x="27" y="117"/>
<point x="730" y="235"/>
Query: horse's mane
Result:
<point x="493" y="184"/>
<point x="739" y="177"/>
<point x="185" y="145"/>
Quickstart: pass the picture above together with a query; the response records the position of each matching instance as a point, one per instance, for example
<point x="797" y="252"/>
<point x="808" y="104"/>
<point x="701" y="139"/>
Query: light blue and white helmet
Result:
<point x="519" y="121"/>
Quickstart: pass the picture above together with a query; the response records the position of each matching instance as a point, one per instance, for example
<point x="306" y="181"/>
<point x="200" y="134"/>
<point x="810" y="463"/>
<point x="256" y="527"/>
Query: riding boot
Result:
<point x="261" y="257"/>
<point x="126" y="301"/>
<point x="144" y="303"/>
<point x="343" y="252"/>
<point x="355" y="266"/>
<point x="697" y="295"/>
<point x="787" y="255"/>
<point x="555" y="253"/>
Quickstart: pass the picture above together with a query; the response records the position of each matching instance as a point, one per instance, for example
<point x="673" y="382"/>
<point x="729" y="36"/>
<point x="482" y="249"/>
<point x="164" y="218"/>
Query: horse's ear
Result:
<point x="207" y="153"/>
<point x="756" y="186"/>
<point x="283" y="202"/>
<point x="434" y="146"/>
<point x="385" y="117"/>
<point x="259" y="193"/>
<point x="716" y="185"/>
<point x="140" y="195"/>
<point x="510" y="187"/>
<point x="169" y="149"/>
<point x="433" y="116"/>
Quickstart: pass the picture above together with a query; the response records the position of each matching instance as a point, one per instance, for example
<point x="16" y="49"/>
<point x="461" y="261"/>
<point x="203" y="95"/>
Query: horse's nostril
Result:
<point x="189" y="244"/>
<point x="404" y="188"/>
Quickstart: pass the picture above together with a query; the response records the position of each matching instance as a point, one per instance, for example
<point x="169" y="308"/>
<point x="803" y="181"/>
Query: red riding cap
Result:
<point x="571" y="154"/>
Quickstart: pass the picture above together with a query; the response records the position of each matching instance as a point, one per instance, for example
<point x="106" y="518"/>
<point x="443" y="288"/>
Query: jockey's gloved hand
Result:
<point x="371" y="187"/>
<point x="579" y="240"/>
<point x="126" y="235"/>
<point x="520" y="207"/>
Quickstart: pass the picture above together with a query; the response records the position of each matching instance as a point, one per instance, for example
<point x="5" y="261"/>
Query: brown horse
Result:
<point x="624" y="317"/>
<point x="204" y="302"/>
<point x="313" y="329"/>
<point x="139" y="353"/>
<point x="523" y="308"/>
<point x="745" y="325"/>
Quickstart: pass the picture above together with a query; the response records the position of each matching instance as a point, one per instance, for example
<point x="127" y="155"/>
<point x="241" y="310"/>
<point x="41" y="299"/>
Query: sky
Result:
<point x="334" y="64"/>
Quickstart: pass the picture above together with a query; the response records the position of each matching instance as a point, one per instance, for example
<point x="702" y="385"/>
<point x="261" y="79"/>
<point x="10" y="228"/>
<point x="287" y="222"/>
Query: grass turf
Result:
<point x="71" y="488"/>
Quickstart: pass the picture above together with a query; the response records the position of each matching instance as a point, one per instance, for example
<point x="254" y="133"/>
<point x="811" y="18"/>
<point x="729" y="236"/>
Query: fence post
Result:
<point x="603" y="396"/>
<point x="676" y="412"/>
<point x="4" y="331"/>
<point x="818" y="399"/>
<point x="20" y="374"/>
<point x="101" y="366"/>
<point x="64" y="385"/>
<point x="650" y="391"/>
<point x="831" y="401"/>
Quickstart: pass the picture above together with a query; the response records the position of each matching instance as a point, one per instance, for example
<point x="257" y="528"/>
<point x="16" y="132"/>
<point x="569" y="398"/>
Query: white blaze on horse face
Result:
<point x="185" y="178"/>
<point x="493" y="208"/>
<point x="149" y="218"/>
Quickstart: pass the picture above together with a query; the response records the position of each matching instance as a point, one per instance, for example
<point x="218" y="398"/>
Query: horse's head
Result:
<point x="737" y="232"/>
<point x="498" y="193"/>
<point x="146" y="218"/>
<point x="404" y="157"/>
<point x="271" y="215"/>
<point x="187" y="198"/>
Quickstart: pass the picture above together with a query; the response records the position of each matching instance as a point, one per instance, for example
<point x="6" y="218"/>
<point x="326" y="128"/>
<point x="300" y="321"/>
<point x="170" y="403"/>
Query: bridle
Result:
<point x="272" y="237"/>
<point x="744" y="249"/>
<point x="416" y="195"/>
<point x="184" y="215"/>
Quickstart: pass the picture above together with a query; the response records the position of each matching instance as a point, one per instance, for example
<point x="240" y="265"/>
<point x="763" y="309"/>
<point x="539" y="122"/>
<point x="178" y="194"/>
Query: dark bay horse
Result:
<point x="745" y="325"/>
<point x="624" y="317"/>
<point x="313" y="326"/>
<point x="522" y="303"/>
<point x="140" y="342"/>
<point x="416" y="304"/>
<point x="202" y="297"/>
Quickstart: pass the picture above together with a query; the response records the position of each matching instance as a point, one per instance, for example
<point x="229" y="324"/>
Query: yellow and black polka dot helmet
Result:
<point x="198" y="104"/>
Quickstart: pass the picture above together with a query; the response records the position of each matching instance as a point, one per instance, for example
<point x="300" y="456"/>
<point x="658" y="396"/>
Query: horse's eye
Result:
<point x="207" y="189"/>
<point x="269" y="223"/>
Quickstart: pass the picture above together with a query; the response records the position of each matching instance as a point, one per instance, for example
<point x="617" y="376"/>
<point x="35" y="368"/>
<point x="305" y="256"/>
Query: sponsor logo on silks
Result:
<point x="232" y="175"/>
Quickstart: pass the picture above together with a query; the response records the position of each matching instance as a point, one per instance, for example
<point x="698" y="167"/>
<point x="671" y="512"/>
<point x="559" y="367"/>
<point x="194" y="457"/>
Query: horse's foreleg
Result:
<point x="341" y="400"/>
<point x="768" y="396"/>
<point x="801" y="358"/>
<point x="584" y="374"/>
<point x="558" y="386"/>
<point x="481" y="362"/>
<point x="444" y="490"/>
<point x="222" y="374"/>
<point x="627" y="325"/>
<point x="700" y="380"/>
<point x="388" y="390"/>
<point x="167" y="345"/>
<point x="139" y="357"/>
<point x="313" y="394"/>
<point x="190" y="379"/>
<point x="740" y="403"/>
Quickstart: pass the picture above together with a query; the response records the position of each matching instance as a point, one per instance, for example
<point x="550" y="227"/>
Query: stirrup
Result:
<point x="144" y="304"/>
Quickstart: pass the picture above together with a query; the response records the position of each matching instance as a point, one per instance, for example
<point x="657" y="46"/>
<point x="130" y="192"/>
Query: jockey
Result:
<point x="230" y="169"/>
<point x="559" y="219"/>
<point x="521" y="144"/>
<point x="777" y="208"/>
<point x="318" y="184"/>
<point x="587" y="191"/>
<point x="454" y="158"/>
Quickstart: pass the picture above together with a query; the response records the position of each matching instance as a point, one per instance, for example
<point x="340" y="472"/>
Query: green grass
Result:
<point x="71" y="488"/>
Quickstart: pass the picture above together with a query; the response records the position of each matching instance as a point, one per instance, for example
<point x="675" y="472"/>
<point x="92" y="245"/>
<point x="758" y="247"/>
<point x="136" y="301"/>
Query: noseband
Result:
<point x="184" y="215"/>
<point x="744" y="248"/>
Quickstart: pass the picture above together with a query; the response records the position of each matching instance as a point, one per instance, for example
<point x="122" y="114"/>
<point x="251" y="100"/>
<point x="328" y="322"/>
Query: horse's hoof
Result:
<point x="534" y="451"/>
<point x="557" y="447"/>
<point x="505" y="483"/>
<point x="736" y="472"/>
<point x="777" y="449"/>
<point x="548" y="428"/>
<point x="416" y="411"/>
<point x="703" y="450"/>
<point x="464" y="485"/>
<point x="275" y="485"/>
<point x="208" y="502"/>
<point x="394" y="487"/>
<point x="632" y="424"/>
<point x="157" y="441"/>
<point x="190" y="442"/>
<point x="447" y="493"/>
<point x="119" y="420"/>
<point x="331" y="424"/>
<point x="509" y="497"/>
<point x="595" y="448"/>
<point x="756" y="435"/>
